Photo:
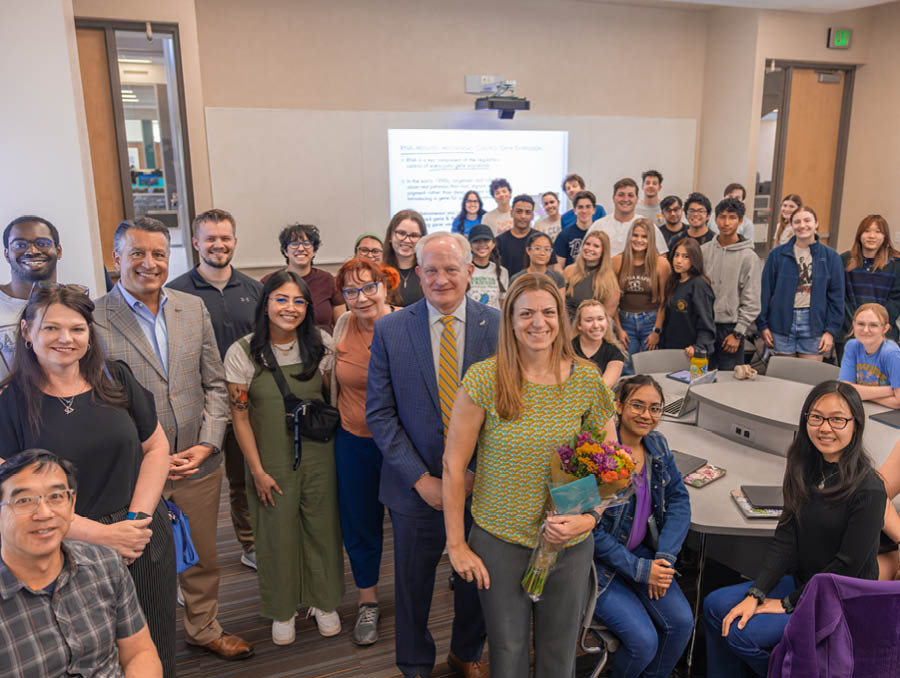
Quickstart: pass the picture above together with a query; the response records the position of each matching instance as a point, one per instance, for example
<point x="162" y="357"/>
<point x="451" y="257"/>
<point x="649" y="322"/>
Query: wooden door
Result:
<point x="811" y="143"/>
<point x="98" y="104"/>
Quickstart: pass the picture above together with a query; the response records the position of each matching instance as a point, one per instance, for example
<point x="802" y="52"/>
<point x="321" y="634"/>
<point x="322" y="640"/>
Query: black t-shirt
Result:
<point x="673" y="237"/>
<point x="409" y="291"/>
<point x="512" y="251"/>
<point x="604" y="355"/>
<point x="702" y="239"/>
<point x="103" y="442"/>
<point x="689" y="316"/>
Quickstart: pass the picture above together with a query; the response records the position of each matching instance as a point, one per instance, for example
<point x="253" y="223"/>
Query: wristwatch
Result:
<point x="136" y="515"/>
<point x="756" y="593"/>
<point x="738" y="335"/>
<point x="596" y="516"/>
<point x="656" y="330"/>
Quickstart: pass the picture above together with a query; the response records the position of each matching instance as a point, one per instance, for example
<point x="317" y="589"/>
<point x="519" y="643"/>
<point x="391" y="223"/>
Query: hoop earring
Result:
<point x="27" y="344"/>
<point x="89" y="346"/>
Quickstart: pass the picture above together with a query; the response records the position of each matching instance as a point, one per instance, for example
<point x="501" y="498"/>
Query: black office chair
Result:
<point x="596" y="639"/>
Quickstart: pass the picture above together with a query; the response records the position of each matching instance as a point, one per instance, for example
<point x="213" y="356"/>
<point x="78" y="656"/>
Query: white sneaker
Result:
<point x="284" y="632"/>
<point x="179" y="596"/>
<point x="329" y="623"/>
<point x="249" y="559"/>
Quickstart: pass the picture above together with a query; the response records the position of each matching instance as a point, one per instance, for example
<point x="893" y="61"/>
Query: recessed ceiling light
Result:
<point x="135" y="61"/>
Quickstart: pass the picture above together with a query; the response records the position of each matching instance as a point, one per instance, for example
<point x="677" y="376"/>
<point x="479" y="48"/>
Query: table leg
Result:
<point x="697" y="599"/>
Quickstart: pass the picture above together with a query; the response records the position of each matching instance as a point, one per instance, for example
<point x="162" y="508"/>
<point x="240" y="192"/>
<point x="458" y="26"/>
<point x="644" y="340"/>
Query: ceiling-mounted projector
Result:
<point x="501" y="95"/>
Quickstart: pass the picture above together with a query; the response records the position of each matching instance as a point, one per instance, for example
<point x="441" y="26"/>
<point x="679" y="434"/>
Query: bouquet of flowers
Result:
<point x="587" y="473"/>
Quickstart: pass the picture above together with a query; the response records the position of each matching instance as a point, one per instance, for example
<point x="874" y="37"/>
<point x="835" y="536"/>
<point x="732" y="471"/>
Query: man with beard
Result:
<point x="231" y="298"/>
<point x="31" y="246"/>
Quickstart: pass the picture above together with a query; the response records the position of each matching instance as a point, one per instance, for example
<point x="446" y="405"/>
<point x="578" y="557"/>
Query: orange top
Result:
<point x="352" y="374"/>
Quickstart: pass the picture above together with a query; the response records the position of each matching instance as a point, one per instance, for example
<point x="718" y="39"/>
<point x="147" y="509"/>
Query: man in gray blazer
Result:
<point x="167" y="339"/>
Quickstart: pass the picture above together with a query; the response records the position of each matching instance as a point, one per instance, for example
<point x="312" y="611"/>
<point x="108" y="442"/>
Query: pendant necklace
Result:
<point x="827" y="478"/>
<point x="286" y="351"/>
<point x="405" y="278"/>
<point x="67" y="403"/>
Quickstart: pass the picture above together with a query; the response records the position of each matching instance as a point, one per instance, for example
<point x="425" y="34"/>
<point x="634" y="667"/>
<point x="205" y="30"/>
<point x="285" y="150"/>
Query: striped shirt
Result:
<point x="71" y="627"/>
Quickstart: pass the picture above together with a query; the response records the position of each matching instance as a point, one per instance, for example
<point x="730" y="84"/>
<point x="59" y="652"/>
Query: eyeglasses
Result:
<point x="297" y="244"/>
<point x="26" y="504"/>
<point x="472" y="202"/>
<point x="696" y="213"/>
<point x="21" y="245"/>
<point x="403" y="235"/>
<point x="836" y="423"/>
<point x="50" y="285"/>
<point x="351" y="293"/>
<point x="369" y="251"/>
<point x="672" y="210"/>
<point x="281" y="301"/>
<point x="638" y="407"/>
<point x="541" y="250"/>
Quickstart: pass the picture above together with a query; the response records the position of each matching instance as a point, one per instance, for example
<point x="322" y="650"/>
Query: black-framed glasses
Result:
<point x="20" y="245"/>
<point x="297" y="244"/>
<point x="836" y="423"/>
<point x="369" y="251"/>
<point x="26" y="504"/>
<point x="696" y="212"/>
<point x="50" y="285"/>
<point x="352" y="293"/>
<point x="411" y="237"/>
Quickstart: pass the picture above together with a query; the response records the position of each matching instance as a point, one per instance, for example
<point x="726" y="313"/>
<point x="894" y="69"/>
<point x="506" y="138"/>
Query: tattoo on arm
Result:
<point x="240" y="398"/>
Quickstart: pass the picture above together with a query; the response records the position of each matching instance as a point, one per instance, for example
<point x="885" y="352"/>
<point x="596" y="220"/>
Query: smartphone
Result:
<point x="704" y="475"/>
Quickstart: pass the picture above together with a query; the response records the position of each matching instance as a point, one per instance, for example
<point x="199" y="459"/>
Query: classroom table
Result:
<point x="769" y="405"/>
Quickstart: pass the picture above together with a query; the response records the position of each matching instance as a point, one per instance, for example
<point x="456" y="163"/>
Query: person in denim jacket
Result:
<point x="636" y="545"/>
<point x="802" y="293"/>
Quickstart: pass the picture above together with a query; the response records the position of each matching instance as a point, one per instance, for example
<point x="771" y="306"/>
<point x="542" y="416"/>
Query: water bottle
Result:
<point x="699" y="363"/>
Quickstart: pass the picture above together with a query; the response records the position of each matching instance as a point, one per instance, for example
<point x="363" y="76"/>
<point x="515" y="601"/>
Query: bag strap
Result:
<point x="288" y="397"/>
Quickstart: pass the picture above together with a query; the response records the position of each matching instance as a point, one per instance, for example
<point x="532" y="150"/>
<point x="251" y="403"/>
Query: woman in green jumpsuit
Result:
<point x="294" y="512"/>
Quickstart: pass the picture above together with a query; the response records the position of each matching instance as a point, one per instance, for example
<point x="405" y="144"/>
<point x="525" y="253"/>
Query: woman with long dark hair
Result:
<point x="470" y="214"/>
<point x="538" y="253"/>
<point x="405" y="229"/>
<point x="490" y="279"/>
<point x="294" y="508"/>
<point x="834" y="505"/>
<point x="62" y="395"/>
<point x="637" y="544"/>
<point x="688" y="301"/>
<point x="871" y="275"/>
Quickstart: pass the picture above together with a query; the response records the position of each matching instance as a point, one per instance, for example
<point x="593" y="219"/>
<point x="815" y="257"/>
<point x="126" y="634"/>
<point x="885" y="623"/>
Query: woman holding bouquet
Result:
<point x="637" y="544"/>
<point x="519" y="407"/>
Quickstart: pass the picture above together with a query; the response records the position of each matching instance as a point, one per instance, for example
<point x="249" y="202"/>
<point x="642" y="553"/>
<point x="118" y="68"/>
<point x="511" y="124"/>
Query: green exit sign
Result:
<point x="839" y="38"/>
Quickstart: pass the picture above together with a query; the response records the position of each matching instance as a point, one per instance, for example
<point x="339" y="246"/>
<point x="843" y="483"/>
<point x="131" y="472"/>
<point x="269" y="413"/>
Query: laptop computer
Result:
<point x="764" y="496"/>
<point x="687" y="463"/>
<point x="681" y="406"/>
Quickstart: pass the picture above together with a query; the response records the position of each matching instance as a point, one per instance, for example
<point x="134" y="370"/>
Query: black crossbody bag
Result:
<point x="313" y="419"/>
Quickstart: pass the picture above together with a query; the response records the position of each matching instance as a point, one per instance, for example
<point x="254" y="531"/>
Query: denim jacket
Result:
<point x="779" y="282"/>
<point x="670" y="508"/>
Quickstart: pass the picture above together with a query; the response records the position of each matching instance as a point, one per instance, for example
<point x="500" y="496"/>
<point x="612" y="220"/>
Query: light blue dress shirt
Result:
<point x="153" y="326"/>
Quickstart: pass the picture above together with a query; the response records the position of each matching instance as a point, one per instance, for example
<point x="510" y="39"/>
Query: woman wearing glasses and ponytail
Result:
<point x="62" y="395"/>
<point x="834" y="505"/>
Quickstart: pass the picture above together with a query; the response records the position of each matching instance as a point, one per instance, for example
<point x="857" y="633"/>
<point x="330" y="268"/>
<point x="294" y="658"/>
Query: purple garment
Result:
<point x="641" y="510"/>
<point x="841" y="627"/>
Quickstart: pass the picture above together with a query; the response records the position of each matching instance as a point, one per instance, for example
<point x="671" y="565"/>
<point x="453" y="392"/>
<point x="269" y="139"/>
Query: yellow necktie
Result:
<point x="448" y="381"/>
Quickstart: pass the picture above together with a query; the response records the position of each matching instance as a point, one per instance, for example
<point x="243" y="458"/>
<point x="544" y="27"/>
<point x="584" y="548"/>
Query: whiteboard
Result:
<point x="270" y="167"/>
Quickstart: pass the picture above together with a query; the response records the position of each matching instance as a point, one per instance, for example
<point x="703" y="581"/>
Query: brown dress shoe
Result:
<point x="230" y="647"/>
<point x="467" y="669"/>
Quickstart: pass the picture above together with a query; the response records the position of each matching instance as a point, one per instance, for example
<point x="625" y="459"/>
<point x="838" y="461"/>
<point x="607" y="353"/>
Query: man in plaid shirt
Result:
<point x="65" y="608"/>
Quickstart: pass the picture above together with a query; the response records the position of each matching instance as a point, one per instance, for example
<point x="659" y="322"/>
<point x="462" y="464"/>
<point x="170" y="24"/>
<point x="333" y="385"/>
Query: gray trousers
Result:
<point x="508" y="610"/>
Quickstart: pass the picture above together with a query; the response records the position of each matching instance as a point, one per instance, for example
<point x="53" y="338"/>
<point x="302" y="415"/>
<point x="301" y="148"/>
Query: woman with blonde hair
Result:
<point x="519" y="407"/>
<point x="595" y="340"/>
<point x="871" y="361"/>
<point x="871" y="275"/>
<point x="591" y="276"/>
<point x="642" y="274"/>
<point x="784" y="231"/>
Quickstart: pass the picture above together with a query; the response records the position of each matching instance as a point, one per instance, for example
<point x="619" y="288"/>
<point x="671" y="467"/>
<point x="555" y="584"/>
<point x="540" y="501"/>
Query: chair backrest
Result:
<point x="662" y="360"/>
<point x="798" y="369"/>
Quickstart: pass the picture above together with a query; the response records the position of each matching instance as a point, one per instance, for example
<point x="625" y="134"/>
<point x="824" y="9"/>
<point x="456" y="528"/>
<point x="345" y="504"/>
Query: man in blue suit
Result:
<point x="419" y="355"/>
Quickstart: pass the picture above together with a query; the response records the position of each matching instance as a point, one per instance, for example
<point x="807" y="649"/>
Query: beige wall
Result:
<point x="873" y="171"/>
<point x="571" y="58"/>
<point x="180" y="12"/>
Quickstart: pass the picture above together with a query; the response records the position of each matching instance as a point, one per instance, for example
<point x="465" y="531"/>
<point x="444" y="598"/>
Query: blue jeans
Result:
<point x="801" y="339"/>
<point x="638" y="326"/>
<point x="362" y="515"/>
<point x="750" y="646"/>
<point x="654" y="633"/>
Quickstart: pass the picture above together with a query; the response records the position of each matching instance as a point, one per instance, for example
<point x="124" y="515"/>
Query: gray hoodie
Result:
<point x="735" y="274"/>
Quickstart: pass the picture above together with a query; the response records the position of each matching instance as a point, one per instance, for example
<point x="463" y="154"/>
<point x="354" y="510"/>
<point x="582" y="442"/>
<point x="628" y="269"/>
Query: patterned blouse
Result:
<point x="514" y="455"/>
